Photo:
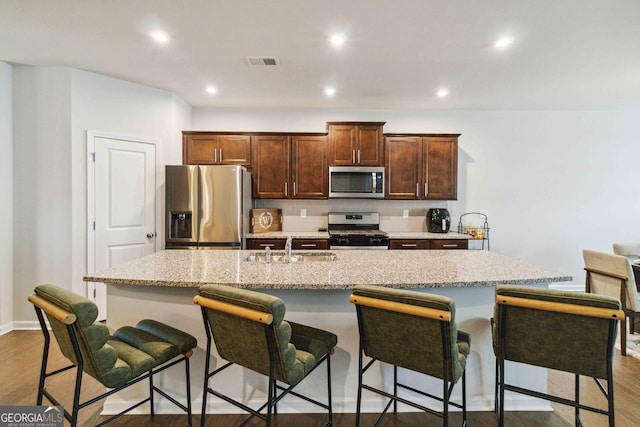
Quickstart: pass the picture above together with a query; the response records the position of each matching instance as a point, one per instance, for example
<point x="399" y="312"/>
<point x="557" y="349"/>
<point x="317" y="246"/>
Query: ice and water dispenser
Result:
<point x="180" y="225"/>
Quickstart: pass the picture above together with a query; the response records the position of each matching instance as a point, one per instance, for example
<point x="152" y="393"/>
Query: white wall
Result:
<point x="53" y="109"/>
<point x="105" y="104"/>
<point x="553" y="182"/>
<point x="42" y="181"/>
<point x="6" y="197"/>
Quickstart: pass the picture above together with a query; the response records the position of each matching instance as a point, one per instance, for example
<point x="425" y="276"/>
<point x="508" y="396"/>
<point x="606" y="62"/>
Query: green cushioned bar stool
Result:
<point x="568" y="331"/>
<point x="415" y="331"/>
<point x="117" y="361"/>
<point x="249" y="330"/>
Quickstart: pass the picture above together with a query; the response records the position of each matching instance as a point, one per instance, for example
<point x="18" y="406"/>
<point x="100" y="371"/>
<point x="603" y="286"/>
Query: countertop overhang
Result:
<point x="396" y="269"/>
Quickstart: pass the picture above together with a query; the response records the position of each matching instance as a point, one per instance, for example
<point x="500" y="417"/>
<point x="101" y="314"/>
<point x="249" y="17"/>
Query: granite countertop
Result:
<point x="397" y="269"/>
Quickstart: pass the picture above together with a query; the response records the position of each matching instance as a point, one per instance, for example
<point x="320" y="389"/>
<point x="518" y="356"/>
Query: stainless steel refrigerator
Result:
<point x="207" y="207"/>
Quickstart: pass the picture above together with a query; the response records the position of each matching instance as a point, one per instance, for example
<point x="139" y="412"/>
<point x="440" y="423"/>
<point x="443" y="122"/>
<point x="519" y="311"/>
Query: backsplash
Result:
<point x="391" y="212"/>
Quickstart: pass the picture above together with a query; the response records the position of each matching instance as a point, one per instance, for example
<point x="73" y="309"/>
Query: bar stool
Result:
<point x="415" y="331"/>
<point x="131" y="355"/>
<point x="610" y="274"/>
<point x="249" y="330"/>
<point x="567" y="331"/>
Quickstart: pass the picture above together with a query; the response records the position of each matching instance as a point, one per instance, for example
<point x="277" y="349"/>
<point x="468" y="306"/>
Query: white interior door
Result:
<point x="124" y="206"/>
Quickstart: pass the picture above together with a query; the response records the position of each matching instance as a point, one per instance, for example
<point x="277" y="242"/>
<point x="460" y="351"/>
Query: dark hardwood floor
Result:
<point x="20" y="353"/>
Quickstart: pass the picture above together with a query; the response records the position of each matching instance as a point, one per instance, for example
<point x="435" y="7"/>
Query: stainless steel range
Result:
<point x="356" y="230"/>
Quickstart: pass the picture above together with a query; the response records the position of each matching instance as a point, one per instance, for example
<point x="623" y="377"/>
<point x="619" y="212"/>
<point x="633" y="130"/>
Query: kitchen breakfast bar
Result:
<point x="316" y="288"/>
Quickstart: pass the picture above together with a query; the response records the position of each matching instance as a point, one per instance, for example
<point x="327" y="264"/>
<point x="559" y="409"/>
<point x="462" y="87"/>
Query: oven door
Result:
<point x="362" y="243"/>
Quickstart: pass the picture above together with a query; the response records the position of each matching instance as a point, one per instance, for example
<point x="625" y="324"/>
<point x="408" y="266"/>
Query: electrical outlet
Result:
<point x="303" y="213"/>
<point x="405" y="213"/>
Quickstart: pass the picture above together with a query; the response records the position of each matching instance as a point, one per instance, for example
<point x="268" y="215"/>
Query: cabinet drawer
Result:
<point x="449" y="244"/>
<point x="263" y="243"/>
<point x="408" y="244"/>
<point x="310" y="244"/>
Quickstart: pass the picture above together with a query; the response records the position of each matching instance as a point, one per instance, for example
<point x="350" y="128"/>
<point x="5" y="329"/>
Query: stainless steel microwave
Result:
<point x="356" y="182"/>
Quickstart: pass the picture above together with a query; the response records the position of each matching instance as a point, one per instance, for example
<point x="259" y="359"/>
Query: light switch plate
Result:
<point x="303" y="213"/>
<point x="405" y="213"/>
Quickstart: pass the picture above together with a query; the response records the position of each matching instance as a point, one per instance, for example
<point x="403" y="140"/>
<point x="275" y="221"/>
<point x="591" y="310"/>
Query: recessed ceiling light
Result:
<point x="211" y="90"/>
<point x="160" y="37"/>
<point x="503" y="42"/>
<point x="330" y="91"/>
<point x="337" y="39"/>
<point x="442" y="93"/>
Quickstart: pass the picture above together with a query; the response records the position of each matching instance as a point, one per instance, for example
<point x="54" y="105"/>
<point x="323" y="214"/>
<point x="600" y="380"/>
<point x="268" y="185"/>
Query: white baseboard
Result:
<point x="30" y="325"/>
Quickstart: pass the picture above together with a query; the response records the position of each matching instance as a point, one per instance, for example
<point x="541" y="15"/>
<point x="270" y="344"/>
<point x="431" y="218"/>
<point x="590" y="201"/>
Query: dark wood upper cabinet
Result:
<point x="208" y="148"/>
<point x="290" y="167"/>
<point x="271" y="166"/>
<point x="296" y="165"/>
<point x="421" y="167"/>
<point x="403" y="167"/>
<point x="309" y="170"/>
<point x="440" y="167"/>
<point x="355" y="144"/>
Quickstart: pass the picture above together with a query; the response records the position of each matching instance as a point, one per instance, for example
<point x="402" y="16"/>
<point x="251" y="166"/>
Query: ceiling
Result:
<point x="567" y="54"/>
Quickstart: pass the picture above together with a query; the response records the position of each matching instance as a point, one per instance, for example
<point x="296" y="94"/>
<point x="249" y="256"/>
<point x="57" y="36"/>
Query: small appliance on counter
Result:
<point x="438" y="220"/>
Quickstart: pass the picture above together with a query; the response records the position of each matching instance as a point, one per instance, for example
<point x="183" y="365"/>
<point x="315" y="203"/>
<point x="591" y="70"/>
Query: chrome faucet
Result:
<point x="287" y="250"/>
<point x="267" y="255"/>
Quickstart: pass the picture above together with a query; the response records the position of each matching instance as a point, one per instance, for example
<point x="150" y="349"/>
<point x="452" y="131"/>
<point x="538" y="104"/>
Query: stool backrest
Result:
<point x="248" y="329"/>
<point x="610" y="274"/>
<point x="629" y="250"/>
<point x="569" y="331"/>
<point x="98" y="358"/>
<point x="412" y="339"/>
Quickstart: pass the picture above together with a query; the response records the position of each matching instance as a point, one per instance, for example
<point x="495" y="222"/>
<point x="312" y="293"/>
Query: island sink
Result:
<point x="280" y="257"/>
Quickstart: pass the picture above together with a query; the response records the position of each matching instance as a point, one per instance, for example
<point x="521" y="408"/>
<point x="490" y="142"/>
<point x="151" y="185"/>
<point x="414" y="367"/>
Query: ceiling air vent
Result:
<point x="256" y="61"/>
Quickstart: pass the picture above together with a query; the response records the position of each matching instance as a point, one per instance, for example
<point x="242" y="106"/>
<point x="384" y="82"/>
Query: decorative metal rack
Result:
<point x="475" y="224"/>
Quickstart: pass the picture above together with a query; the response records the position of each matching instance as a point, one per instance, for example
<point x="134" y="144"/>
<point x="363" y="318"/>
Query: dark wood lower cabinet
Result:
<point x="263" y="243"/>
<point x="449" y="244"/>
<point x="310" y="244"/>
<point x="278" y="244"/>
<point x="408" y="244"/>
<point x="428" y="244"/>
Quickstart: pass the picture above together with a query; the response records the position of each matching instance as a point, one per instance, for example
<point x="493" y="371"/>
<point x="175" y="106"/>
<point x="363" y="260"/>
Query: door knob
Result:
<point x="151" y="235"/>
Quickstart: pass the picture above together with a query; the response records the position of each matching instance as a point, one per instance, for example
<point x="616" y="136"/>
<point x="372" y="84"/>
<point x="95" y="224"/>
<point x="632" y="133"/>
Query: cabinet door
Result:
<point x="408" y="244"/>
<point x="310" y="244"/>
<point x="309" y="170"/>
<point x="369" y="150"/>
<point x="342" y="145"/>
<point x="270" y="167"/>
<point x="403" y="158"/>
<point x="440" y="168"/>
<point x="234" y="150"/>
<point x="449" y="244"/>
<point x="199" y="149"/>
<point x="263" y="243"/>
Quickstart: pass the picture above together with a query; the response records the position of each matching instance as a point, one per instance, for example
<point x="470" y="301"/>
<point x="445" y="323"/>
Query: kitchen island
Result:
<point x="162" y="286"/>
